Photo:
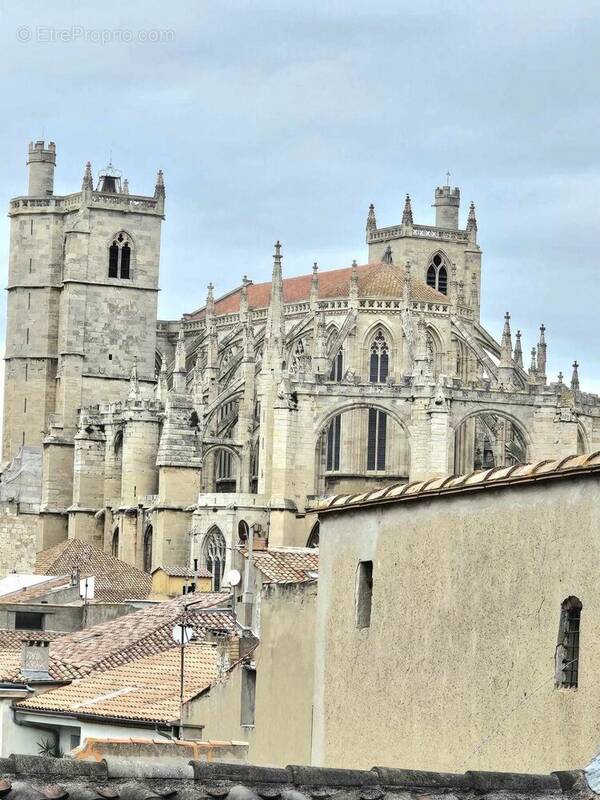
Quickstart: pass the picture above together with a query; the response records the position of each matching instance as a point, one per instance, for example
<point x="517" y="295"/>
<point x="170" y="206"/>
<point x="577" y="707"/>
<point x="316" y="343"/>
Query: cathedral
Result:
<point x="170" y="442"/>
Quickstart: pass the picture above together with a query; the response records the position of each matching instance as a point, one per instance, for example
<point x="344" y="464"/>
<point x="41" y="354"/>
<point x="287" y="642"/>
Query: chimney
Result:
<point x="34" y="660"/>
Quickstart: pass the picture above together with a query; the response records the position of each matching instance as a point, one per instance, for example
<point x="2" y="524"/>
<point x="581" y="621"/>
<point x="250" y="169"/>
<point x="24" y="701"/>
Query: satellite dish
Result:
<point x="183" y="634"/>
<point x="233" y="577"/>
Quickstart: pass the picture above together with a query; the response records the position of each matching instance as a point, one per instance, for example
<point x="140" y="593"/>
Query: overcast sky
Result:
<point x="285" y="120"/>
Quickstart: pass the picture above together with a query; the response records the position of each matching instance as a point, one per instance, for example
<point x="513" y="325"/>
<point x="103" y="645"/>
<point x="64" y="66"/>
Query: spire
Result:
<point x="134" y="386"/>
<point x="407" y="282"/>
<point x="162" y="386"/>
<point x="87" y="182"/>
<point x="275" y="329"/>
<point x="159" y="189"/>
<point x="353" y="294"/>
<point x="371" y="220"/>
<point x="533" y="366"/>
<point x="248" y="342"/>
<point x="314" y="286"/>
<point x="243" y="299"/>
<point x="518" y="354"/>
<point x="125" y="189"/>
<point x="180" y="353"/>
<point x="472" y="222"/>
<point x="541" y="360"/>
<point x="575" y="377"/>
<point x="506" y="345"/>
<point x="210" y="302"/>
<point x="407" y="215"/>
<point x="387" y="256"/>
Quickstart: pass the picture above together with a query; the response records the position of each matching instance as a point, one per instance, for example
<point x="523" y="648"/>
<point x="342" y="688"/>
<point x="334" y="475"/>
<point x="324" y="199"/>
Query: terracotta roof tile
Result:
<point x="116" y="580"/>
<point x="287" y="564"/>
<point x="31" y="593"/>
<point x="374" y="280"/>
<point x="146" y="689"/>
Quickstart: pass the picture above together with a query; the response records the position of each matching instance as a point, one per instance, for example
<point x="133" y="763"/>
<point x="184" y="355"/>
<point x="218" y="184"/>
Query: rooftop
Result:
<point x="25" y="777"/>
<point x="494" y="478"/>
<point x="286" y="564"/>
<point x="377" y="279"/>
<point x="144" y="690"/>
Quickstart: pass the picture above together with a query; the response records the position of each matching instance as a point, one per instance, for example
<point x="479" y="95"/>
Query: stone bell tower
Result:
<point x="82" y="309"/>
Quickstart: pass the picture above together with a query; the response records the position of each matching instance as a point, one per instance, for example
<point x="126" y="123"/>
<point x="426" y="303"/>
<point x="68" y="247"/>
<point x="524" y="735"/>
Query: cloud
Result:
<point x="285" y="121"/>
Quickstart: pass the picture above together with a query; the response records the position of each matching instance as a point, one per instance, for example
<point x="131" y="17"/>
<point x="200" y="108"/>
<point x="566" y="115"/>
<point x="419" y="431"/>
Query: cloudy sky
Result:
<point x="285" y="120"/>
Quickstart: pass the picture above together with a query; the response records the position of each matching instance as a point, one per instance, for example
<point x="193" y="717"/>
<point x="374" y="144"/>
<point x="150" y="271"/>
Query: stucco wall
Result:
<point x="456" y="670"/>
<point x="284" y="684"/>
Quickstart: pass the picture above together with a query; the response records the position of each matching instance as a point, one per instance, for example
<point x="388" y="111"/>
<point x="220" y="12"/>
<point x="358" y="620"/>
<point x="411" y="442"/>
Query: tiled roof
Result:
<point x="146" y="689"/>
<point x="494" y="478"/>
<point x="377" y="279"/>
<point x="119" y="641"/>
<point x="27" y="777"/>
<point x="29" y="594"/>
<point x="115" y="579"/>
<point x="287" y="564"/>
<point x="174" y="571"/>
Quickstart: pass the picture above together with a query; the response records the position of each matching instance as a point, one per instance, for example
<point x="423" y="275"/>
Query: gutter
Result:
<point x="40" y="726"/>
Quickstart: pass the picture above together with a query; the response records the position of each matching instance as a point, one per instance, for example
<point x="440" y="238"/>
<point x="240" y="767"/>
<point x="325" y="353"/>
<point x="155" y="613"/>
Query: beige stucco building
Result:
<point x="458" y="622"/>
<point x="167" y="441"/>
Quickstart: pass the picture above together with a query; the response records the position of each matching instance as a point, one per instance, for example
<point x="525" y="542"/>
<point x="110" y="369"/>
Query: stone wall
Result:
<point x="19" y="535"/>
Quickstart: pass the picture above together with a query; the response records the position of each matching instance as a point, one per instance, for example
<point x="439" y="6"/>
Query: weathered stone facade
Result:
<point x="166" y="442"/>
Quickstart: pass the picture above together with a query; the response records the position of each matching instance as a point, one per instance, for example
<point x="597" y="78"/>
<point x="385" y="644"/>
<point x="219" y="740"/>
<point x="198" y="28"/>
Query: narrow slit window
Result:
<point x="364" y="593"/>
<point x="248" y="710"/>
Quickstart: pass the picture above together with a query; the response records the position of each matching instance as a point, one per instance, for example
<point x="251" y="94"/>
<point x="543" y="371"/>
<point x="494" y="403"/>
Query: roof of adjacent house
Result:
<point x="145" y="690"/>
<point x="494" y="478"/>
<point x="378" y="279"/>
<point x="119" y="641"/>
<point x="127" y="779"/>
<point x="29" y="594"/>
<point x="286" y="564"/>
<point x="116" y="580"/>
<point x="174" y="571"/>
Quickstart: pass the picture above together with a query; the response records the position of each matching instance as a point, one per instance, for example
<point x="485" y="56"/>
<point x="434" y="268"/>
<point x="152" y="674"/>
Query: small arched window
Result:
<point x="114" y="549"/>
<point x="147" y="555"/>
<point x="379" y="360"/>
<point x="119" y="257"/>
<point x="567" y="649"/>
<point x="437" y="274"/>
<point x="214" y="556"/>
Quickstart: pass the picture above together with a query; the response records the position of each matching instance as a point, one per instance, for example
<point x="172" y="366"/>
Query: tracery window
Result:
<point x="379" y="360"/>
<point x="119" y="257"/>
<point x="437" y="274"/>
<point x="334" y="444"/>
<point x="298" y="356"/>
<point x="213" y="551"/>
<point x="376" y="439"/>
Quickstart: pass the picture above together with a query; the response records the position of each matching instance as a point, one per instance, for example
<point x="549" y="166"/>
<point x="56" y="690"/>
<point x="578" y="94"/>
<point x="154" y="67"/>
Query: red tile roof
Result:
<point x="287" y="564"/>
<point x="377" y="279"/>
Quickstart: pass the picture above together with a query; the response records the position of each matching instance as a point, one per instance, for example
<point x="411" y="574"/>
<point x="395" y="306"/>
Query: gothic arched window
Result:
<point x="119" y="257"/>
<point x="337" y="368"/>
<point x="298" y="357"/>
<point x="213" y="551"/>
<point x="114" y="548"/>
<point x="379" y="360"/>
<point x="313" y="539"/>
<point x="437" y="274"/>
<point x="334" y="444"/>
<point x="225" y="478"/>
<point x="376" y="439"/>
<point x="147" y="554"/>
